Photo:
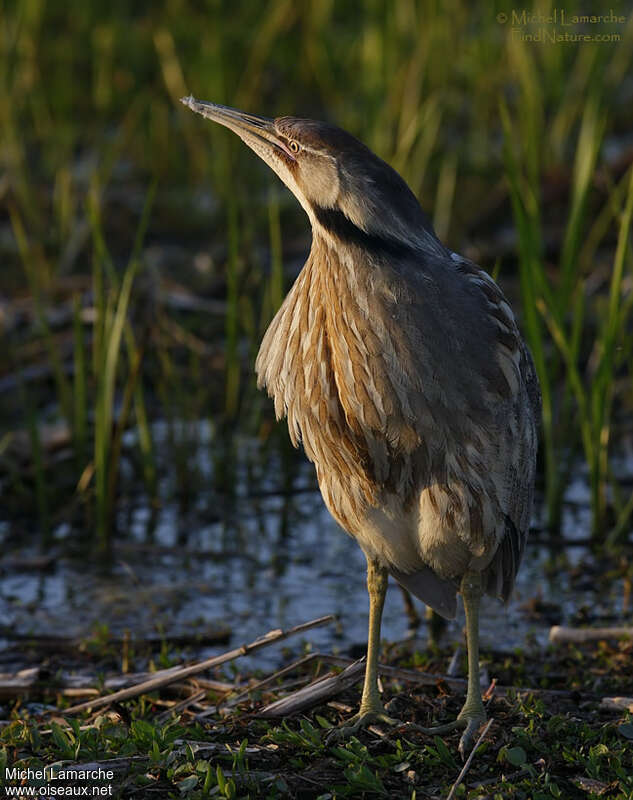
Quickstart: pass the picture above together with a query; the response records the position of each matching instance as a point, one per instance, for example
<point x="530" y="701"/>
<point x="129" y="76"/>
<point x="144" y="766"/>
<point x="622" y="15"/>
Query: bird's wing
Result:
<point x="513" y="458"/>
<point x="519" y="467"/>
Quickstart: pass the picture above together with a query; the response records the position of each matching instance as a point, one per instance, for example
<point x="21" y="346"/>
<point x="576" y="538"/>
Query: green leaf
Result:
<point x="208" y="781"/>
<point x="345" y="755"/>
<point x="59" y="737"/>
<point x="515" y="756"/>
<point x="221" y="779"/>
<point x="363" y="779"/>
<point x="598" y="750"/>
<point x="187" y="784"/>
<point x="444" y="753"/>
<point x="310" y="732"/>
<point x="626" y="730"/>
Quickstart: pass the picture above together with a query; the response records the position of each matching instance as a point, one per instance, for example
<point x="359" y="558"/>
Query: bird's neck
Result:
<point x="372" y="239"/>
<point x="338" y="232"/>
<point x="344" y="271"/>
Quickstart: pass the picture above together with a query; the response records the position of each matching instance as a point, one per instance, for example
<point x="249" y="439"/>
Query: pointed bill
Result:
<point x="258" y="133"/>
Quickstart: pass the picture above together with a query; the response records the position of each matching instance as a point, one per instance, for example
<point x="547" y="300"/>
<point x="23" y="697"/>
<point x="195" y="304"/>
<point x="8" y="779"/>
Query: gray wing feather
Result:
<point x="439" y="594"/>
<point x="500" y="574"/>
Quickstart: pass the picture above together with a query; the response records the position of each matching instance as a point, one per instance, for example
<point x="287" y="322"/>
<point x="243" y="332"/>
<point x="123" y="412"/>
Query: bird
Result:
<point x="400" y="369"/>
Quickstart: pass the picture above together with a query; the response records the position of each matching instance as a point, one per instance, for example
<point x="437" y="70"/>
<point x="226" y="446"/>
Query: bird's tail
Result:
<point x="439" y="594"/>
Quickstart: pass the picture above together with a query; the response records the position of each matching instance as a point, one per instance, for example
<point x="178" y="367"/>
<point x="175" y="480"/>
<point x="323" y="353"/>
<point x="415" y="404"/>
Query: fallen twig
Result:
<point x="181" y="706"/>
<point x="18" y="683"/>
<point x="74" y="691"/>
<point x="256" y="686"/>
<point x="317" y="692"/>
<point x="72" y="685"/>
<point x="424" y="678"/>
<point x="559" y="633"/>
<point x="469" y="760"/>
<point x="162" y="679"/>
<point x="617" y="703"/>
<point x="218" y="635"/>
<point x="17" y="564"/>
<point x="203" y="748"/>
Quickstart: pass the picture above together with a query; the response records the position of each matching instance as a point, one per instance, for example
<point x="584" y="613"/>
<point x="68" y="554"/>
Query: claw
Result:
<point x="469" y="722"/>
<point x="467" y="739"/>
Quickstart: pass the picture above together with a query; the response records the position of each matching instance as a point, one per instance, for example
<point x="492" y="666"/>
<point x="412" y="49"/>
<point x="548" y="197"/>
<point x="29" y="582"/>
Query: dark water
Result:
<point x="271" y="560"/>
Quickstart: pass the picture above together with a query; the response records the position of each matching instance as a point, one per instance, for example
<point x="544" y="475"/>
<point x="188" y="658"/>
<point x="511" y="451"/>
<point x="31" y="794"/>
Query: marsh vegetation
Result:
<point x="143" y="255"/>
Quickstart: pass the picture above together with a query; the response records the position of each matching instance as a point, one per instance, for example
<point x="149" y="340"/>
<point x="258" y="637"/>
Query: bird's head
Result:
<point x="339" y="182"/>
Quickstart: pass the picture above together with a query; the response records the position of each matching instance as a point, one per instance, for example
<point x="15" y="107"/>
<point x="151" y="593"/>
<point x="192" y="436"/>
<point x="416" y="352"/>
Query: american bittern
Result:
<point x="401" y="370"/>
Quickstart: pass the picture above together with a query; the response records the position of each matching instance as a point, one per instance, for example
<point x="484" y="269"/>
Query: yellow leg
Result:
<point x="472" y="714"/>
<point x="371" y="707"/>
<point x="473" y="711"/>
<point x="377" y="578"/>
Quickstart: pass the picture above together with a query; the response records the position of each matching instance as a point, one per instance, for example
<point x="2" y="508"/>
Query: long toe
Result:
<point x="470" y="722"/>
<point x="438" y="730"/>
<point x="473" y="723"/>
<point x="359" y="722"/>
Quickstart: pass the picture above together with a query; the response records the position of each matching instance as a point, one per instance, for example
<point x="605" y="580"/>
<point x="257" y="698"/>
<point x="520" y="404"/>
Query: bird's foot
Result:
<point x="473" y="721"/>
<point x="470" y="721"/>
<point x="360" y="721"/>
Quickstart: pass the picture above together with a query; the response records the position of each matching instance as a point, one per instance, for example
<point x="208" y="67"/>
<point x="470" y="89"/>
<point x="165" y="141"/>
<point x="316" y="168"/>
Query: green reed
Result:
<point x="112" y="302"/>
<point x="577" y="401"/>
<point x="100" y="96"/>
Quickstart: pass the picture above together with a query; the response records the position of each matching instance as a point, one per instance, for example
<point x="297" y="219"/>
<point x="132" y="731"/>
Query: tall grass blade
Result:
<point x="232" y="371"/>
<point x="80" y="389"/>
<point x="113" y="312"/>
<point x="41" y="490"/>
<point x="64" y="394"/>
<point x="590" y="137"/>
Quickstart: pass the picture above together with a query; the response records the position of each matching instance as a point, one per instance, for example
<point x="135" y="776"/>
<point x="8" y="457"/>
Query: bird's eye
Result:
<point x="294" y="146"/>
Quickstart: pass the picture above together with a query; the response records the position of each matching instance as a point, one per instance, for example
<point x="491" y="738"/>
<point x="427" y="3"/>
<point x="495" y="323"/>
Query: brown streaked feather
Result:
<point x="359" y="348"/>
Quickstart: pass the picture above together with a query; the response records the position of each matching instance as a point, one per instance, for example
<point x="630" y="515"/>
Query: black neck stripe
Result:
<point x="337" y="224"/>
